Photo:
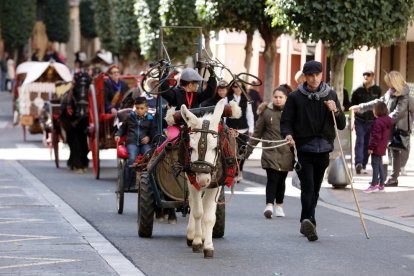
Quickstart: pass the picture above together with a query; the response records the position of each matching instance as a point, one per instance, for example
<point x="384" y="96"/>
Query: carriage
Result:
<point x="37" y="99"/>
<point x="101" y="125"/>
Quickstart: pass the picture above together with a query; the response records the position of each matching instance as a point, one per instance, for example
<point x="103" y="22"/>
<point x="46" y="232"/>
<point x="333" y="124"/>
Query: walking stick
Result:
<point x="350" y="181"/>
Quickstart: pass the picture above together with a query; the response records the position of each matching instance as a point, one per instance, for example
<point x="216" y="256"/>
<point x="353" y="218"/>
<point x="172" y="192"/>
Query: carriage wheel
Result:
<point x="120" y="185"/>
<point x="94" y="131"/>
<point x="218" y="230"/>
<point x="146" y="208"/>
<point x="55" y="144"/>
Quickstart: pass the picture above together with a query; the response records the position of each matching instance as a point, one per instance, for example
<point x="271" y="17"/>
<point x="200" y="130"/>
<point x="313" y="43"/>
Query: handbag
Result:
<point x="396" y="141"/>
<point x="295" y="180"/>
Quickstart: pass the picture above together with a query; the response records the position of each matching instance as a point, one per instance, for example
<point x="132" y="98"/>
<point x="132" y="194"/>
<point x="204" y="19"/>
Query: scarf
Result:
<point x="116" y="86"/>
<point x="322" y="92"/>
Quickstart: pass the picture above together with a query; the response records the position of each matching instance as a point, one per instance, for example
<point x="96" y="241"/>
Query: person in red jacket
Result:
<point x="380" y="133"/>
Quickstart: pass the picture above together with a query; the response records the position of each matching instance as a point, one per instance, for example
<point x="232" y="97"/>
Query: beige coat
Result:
<point x="268" y="128"/>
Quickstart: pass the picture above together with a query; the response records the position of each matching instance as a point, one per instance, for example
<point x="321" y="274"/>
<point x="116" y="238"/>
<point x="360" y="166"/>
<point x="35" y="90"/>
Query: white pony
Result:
<point x="204" y="144"/>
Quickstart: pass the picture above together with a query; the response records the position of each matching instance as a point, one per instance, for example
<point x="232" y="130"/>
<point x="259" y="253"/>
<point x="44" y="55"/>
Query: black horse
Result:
<point x="74" y="120"/>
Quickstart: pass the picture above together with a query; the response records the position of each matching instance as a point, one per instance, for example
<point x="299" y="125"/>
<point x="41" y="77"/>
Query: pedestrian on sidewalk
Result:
<point x="380" y="133"/>
<point x="367" y="92"/>
<point x="396" y="99"/>
<point x="308" y="123"/>
<point x="276" y="161"/>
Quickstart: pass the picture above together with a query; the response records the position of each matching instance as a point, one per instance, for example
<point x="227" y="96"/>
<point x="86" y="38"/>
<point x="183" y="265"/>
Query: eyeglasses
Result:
<point x="235" y="86"/>
<point x="367" y="75"/>
<point x="114" y="72"/>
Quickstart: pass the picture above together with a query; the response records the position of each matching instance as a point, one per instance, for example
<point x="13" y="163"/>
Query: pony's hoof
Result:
<point x="197" y="248"/>
<point x="208" y="253"/>
<point x="189" y="242"/>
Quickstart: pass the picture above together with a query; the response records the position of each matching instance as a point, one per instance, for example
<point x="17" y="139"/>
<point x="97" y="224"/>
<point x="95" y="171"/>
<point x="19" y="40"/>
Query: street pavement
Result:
<point x="42" y="235"/>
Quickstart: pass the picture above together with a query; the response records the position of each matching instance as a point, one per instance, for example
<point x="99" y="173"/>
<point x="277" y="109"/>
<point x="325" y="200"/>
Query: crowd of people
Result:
<point x="305" y="118"/>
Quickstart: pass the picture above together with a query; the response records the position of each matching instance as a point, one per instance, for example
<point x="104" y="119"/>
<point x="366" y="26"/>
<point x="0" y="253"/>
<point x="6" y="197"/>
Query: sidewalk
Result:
<point x="394" y="205"/>
<point x="41" y="235"/>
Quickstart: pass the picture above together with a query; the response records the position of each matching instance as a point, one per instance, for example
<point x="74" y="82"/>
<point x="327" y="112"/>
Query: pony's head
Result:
<point x="204" y="141"/>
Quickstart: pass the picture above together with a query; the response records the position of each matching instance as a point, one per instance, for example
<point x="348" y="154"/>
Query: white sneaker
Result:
<point x="403" y="172"/>
<point x="268" y="211"/>
<point x="279" y="211"/>
<point x="364" y="171"/>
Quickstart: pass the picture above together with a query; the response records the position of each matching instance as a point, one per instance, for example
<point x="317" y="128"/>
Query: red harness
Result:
<point x="229" y="170"/>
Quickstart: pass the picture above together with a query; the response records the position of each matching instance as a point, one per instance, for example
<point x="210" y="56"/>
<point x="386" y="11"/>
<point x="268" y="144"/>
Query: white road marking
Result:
<point x="24" y="238"/>
<point x="41" y="261"/>
<point x="14" y="220"/>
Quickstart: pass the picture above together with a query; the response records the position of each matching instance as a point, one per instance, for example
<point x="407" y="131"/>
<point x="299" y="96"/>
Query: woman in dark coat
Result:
<point x="114" y="90"/>
<point x="276" y="161"/>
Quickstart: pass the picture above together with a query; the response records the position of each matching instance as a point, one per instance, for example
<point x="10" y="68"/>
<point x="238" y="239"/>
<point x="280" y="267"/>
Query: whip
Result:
<point x="350" y="181"/>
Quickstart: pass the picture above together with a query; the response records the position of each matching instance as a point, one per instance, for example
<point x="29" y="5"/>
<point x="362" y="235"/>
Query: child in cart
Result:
<point x="139" y="128"/>
<point x="378" y="140"/>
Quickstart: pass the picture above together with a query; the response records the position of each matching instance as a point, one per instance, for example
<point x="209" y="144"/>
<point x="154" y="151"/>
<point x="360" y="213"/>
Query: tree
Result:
<point x="104" y="22"/>
<point x="56" y="19"/>
<point x="86" y="18"/>
<point x="16" y="33"/>
<point x="180" y="43"/>
<point x="125" y="23"/>
<point x="148" y="23"/>
<point x="344" y="26"/>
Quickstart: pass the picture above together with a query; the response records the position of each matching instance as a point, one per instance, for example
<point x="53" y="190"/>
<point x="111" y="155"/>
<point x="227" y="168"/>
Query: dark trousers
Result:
<point x="311" y="176"/>
<point x="378" y="175"/>
<point x="241" y="141"/>
<point x="362" y="131"/>
<point x="275" y="187"/>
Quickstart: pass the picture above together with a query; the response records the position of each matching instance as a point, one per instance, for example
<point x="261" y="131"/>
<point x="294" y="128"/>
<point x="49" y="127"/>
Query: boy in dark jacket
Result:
<point x="380" y="133"/>
<point x="139" y="129"/>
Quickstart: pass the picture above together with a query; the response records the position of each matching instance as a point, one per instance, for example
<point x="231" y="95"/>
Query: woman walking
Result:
<point x="276" y="161"/>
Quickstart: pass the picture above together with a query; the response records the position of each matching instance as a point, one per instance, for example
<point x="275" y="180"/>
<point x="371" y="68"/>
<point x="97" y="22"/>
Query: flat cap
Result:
<point x="189" y="74"/>
<point x="312" y="67"/>
<point x="368" y="72"/>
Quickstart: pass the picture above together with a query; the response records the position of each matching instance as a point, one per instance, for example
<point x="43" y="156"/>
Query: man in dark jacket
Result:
<point x="367" y="92"/>
<point x="187" y="92"/>
<point x="307" y="122"/>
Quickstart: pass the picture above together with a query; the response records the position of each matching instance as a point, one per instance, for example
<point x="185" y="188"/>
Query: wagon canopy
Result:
<point x="43" y="82"/>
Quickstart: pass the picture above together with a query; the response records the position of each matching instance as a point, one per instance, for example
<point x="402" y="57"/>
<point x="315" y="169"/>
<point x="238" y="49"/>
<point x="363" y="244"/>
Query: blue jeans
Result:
<point x="362" y="131"/>
<point x="133" y="151"/>
<point x="378" y="176"/>
<point x="3" y="81"/>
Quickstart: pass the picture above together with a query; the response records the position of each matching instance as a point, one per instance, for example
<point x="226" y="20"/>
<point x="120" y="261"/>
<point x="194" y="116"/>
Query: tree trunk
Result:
<point x="338" y="62"/>
<point x="249" y="50"/>
<point x="206" y="34"/>
<point x="270" y="59"/>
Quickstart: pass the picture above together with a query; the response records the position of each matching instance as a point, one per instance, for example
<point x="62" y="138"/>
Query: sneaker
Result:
<point x="364" y="171"/>
<point x="403" y="172"/>
<point x="268" y="211"/>
<point x="381" y="188"/>
<point x="358" y="168"/>
<point x="308" y="229"/>
<point x="370" y="189"/>
<point x="391" y="182"/>
<point x="279" y="211"/>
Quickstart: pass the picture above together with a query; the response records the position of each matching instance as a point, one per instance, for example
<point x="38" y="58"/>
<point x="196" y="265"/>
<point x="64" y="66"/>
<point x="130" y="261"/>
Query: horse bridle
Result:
<point x="200" y="165"/>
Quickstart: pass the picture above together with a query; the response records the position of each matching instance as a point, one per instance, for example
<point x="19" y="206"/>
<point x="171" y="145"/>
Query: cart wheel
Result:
<point x="120" y="185"/>
<point x="55" y="144"/>
<point x="94" y="130"/>
<point x="218" y="230"/>
<point x="146" y="208"/>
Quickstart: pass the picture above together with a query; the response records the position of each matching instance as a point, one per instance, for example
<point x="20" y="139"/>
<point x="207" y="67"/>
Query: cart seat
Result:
<point x="107" y="117"/>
